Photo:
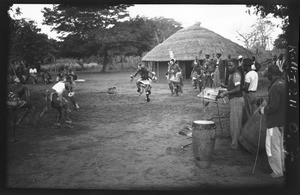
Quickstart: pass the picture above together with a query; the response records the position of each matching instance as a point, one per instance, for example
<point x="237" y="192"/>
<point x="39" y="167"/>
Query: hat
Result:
<point x="207" y="54"/>
<point x="240" y="57"/>
<point x="218" y="54"/>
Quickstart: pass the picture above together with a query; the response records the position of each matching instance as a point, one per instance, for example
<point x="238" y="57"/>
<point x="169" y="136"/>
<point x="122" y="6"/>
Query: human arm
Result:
<point x="237" y="86"/>
<point x="273" y="101"/>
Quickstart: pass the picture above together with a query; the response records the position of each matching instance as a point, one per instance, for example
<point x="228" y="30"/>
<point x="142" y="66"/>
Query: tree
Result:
<point x="103" y="31"/>
<point x="259" y="37"/>
<point x="84" y="22"/>
<point x="278" y="11"/>
<point x="27" y="44"/>
<point x="135" y="36"/>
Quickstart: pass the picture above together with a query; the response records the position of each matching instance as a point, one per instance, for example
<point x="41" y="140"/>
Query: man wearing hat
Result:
<point x="275" y="112"/>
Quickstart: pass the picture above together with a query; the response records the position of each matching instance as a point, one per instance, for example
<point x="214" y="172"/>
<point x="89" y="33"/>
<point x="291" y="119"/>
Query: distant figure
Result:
<point x="256" y="65"/>
<point x="60" y="75"/>
<point x="46" y="77"/>
<point x="208" y="70"/>
<point x="33" y="74"/>
<point x="219" y="71"/>
<point x="196" y="75"/>
<point x="174" y="77"/>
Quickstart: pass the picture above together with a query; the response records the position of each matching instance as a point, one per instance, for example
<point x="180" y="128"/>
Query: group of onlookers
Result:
<point x="28" y="74"/>
<point x="241" y="86"/>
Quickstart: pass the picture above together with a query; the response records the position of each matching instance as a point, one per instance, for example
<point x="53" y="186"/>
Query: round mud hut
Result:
<point x="188" y="43"/>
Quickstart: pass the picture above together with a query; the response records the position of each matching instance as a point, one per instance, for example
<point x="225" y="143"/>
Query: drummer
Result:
<point x="235" y="94"/>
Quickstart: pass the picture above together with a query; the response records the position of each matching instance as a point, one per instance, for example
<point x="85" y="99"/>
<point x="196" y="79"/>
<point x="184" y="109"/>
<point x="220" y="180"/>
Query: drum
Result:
<point x="204" y="136"/>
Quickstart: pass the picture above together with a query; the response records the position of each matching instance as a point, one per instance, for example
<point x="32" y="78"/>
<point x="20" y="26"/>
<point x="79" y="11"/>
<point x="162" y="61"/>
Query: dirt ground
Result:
<point x="122" y="142"/>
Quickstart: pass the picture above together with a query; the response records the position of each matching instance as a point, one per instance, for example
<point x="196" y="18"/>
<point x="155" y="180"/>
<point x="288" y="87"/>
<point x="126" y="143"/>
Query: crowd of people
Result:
<point x="238" y="75"/>
<point x="19" y="95"/>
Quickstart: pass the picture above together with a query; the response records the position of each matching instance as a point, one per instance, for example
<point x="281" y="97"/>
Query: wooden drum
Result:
<point x="204" y="136"/>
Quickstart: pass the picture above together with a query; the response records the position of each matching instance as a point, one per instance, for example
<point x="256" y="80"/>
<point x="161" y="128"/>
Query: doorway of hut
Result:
<point x="187" y="68"/>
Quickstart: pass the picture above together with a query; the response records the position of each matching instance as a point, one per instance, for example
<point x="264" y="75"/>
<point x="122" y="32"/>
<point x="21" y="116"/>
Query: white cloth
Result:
<point x="59" y="88"/>
<point x="275" y="150"/>
<point x="252" y="78"/>
<point x="32" y="71"/>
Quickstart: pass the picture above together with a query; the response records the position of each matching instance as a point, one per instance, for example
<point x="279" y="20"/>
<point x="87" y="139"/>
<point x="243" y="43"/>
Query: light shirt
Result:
<point x="59" y="88"/>
<point x="252" y="78"/>
<point x="32" y="71"/>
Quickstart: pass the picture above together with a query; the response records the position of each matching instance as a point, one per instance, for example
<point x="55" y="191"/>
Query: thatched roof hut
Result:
<point x="186" y="45"/>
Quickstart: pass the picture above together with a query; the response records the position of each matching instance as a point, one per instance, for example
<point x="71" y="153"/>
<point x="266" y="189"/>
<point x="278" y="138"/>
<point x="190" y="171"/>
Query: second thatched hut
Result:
<point x="188" y="43"/>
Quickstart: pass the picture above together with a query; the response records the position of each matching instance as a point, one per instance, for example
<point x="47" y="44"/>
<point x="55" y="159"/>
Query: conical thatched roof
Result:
<point x="186" y="44"/>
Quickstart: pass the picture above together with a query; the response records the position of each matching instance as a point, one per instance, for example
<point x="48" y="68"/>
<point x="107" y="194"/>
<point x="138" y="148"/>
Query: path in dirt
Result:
<point x="122" y="142"/>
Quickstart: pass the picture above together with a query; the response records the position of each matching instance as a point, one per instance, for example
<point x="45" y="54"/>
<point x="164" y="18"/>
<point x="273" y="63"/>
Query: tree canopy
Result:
<point x="26" y="43"/>
<point x="106" y="30"/>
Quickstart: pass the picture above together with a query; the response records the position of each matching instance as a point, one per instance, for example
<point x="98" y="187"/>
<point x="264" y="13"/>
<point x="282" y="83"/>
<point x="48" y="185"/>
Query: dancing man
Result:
<point x="55" y="96"/>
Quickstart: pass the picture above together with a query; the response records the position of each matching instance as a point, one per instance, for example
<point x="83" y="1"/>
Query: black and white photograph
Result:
<point x="151" y="97"/>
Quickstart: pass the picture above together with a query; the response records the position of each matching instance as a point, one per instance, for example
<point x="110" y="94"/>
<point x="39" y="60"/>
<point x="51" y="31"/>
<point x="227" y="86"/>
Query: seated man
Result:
<point x="33" y="74"/>
<point x="46" y="77"/>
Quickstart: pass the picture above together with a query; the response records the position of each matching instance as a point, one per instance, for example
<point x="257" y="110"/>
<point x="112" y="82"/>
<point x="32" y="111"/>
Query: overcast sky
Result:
<point x="224" y="20"/>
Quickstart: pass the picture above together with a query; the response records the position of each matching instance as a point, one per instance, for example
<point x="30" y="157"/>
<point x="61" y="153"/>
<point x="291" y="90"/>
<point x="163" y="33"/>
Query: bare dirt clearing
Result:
<point x="122" y="142"/>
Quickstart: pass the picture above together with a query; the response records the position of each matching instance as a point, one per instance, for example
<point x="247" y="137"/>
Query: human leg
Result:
<point x="138" y="85"/>
<point x="236" y="112"/>
<point x="170" y="84"/>
<point x="274" y="150"/>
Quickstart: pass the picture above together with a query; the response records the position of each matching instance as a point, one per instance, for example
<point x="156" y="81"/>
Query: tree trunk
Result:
<point x="105" y="60"/>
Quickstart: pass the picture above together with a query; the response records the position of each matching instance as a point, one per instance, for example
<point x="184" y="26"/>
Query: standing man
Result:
<point x="226" y="70"/>
<point x="219" y="71"/>
<point x="236" y="100"/>
<point x="173" y="72"/>
<point x="256" y="65"/>
<point x="275" y="112"/>
<point x="33" y="74"/>
<point x="250" y="87"/>
<point x="196" y="75"/>
<point x="209" y="68"/>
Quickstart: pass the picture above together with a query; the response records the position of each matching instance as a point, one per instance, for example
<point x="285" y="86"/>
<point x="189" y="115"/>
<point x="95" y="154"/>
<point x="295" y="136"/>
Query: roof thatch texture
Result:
<point x="188" y="42"/>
